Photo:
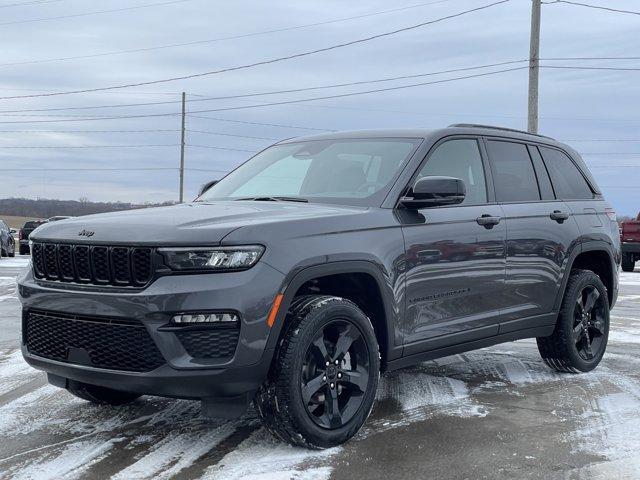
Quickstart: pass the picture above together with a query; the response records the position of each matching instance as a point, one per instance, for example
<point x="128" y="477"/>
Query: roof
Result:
<point x="455" y="129"/>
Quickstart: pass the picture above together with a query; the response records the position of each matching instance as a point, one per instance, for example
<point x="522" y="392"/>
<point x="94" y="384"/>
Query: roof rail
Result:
<point x="505" y="129"/>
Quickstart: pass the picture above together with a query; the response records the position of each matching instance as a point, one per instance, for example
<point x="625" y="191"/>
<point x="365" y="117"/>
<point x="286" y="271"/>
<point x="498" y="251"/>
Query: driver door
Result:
<point x="455" y="274"/>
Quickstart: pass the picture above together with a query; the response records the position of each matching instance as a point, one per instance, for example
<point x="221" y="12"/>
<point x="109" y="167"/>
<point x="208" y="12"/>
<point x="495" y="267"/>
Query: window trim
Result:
<point x="487" y="139"/>
<point x="488" y="178"/>
<point x="594" y="194"/>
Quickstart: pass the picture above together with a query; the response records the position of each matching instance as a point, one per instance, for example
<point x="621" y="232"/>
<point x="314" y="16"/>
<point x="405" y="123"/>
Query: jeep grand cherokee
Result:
<point x="322" y="261"/>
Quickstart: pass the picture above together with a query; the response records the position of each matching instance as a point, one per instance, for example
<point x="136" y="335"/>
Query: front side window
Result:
<point x="351" y="172"/>
<point x="565" y="176"/>
<point x="459" y="159"/>
<point x="513" y="174"/>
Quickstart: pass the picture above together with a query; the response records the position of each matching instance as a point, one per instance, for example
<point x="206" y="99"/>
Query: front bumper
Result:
<point x="250" y="293"/>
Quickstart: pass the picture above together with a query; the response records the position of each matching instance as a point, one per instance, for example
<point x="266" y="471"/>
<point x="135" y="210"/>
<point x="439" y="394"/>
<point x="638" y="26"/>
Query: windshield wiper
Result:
<point x="275" y="199"/>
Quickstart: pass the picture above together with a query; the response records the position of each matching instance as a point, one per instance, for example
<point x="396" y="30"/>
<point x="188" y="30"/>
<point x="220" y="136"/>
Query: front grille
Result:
<point x="211" y="343"/>
<point x="93" y="341"/>
<point x="95" y="265"/>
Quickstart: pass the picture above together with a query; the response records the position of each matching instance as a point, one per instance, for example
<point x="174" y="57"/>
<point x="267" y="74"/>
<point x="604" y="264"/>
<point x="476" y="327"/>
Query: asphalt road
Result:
<point x="493" y="413"/>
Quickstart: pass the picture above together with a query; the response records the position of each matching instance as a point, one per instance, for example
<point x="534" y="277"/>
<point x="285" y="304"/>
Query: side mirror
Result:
<point x="13" y="231"/>
<point x="434" y="192"/>
<point x="206" y="186"/>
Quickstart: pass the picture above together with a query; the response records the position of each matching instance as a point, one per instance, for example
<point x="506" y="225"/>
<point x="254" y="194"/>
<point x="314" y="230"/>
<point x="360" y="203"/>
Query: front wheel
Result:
<point x="323" y="382"/>
<point x="580" y="338"/>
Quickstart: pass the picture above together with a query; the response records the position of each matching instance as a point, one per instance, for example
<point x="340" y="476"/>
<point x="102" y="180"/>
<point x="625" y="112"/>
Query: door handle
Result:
<point x="488" y="221"/>
<point x="559" y="216"/>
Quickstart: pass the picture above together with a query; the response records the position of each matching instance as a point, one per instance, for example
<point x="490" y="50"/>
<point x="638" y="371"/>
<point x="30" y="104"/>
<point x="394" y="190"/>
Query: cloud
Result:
<point x="575" y="105"/>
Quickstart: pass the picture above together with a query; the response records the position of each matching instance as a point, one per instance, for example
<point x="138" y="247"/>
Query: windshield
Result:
<point x="350" y="172"/>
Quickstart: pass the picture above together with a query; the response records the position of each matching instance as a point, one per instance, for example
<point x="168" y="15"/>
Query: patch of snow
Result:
<point x="70" y="462"/>
<point x="14" y="372"/>
<point x="262" y="457"/>
<point x="176" y="452"/>
<point x="15" y="262"/>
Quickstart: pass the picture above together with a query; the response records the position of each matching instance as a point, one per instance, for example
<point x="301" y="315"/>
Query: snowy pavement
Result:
<point x="493" y="413"/>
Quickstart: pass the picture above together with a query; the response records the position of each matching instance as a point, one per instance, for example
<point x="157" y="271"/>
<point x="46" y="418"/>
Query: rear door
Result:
<point x="540" y="232"/>
<point x="455" y="255"/>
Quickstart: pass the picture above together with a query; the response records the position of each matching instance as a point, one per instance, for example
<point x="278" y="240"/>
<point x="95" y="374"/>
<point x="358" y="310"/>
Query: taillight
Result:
<point x="20" y="235"/>
<point x="611" y="213"/>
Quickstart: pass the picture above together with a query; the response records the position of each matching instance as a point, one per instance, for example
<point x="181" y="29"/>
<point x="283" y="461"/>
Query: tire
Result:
<point x="298" y="368"/>
<point x="24" y="250"/>
<point x="100" y="395"/>
<point x="628" y="263"/>
<point x="579" y="341"/>
<point x="12" y="252"/>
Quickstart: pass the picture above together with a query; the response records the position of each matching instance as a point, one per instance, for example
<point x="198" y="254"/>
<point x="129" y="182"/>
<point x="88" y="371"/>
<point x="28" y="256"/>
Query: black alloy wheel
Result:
<point x="589" y="329"/>
<point x="335" y="374"/>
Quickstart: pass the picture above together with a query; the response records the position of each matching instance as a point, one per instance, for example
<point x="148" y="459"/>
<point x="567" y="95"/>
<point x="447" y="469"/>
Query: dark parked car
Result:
<point x="7" y="242"/>
<point x="630" y="238"/>
<point x="321" y="262"/>
<point x="25" y="232"/>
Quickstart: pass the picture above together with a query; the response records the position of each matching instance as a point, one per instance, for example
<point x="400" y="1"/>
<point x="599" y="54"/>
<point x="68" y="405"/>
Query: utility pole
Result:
<point x="182" y="132"/>
<point x="534" y="66"/>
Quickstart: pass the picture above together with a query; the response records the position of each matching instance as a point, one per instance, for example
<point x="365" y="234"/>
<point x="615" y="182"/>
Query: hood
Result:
<point x="184" y="224"/>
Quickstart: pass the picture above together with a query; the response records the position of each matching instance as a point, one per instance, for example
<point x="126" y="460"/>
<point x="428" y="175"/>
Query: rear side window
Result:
<point x="513" y="174"/>
<point x="567" y="180"/>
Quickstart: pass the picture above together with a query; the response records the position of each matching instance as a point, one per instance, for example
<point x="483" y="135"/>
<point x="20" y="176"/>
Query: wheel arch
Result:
<point x="381" y="311"/>
<point x="598" y="257"/>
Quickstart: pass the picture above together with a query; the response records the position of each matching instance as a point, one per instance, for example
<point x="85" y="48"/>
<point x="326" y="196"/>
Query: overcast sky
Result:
<point x="583" y="107"/>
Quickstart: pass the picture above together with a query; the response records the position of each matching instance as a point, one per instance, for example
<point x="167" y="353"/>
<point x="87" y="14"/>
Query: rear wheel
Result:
<point x="322" y="386"/>
<point x="580" y="338"/>
<point x="628" y="262"/>
<point x="100" y="395"/>
<point x="24" y="250"/>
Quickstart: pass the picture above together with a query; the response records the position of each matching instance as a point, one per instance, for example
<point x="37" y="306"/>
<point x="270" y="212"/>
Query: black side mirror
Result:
<point x="206" y="186"/>
<point x="13" y="231"/>
<point x="434" y="192"/>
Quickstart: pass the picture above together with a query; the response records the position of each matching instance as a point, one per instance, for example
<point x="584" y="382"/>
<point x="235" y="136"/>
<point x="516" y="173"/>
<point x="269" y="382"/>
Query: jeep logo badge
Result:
<point x="86" y="233"/>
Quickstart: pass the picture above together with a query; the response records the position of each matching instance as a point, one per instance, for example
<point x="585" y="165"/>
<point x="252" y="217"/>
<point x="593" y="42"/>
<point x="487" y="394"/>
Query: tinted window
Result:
<point x="513" y="175"/>
<point x="346" y="171"/>
<point x="459" y="159"/>
<point x="567" y="179"/>
<point x="546" y="190"/>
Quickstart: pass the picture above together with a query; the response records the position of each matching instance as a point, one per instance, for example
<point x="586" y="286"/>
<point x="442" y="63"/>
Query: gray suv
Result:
<point x="321" y="262"/>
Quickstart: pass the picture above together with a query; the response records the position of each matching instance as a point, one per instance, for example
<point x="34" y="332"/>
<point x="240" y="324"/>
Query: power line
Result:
<point x="280" y="125"/>
<point x="83" y="169"/>
<point x="599" y="7"/>
<point x="76" y="15"/>
<point x="366" y="92"/>
<point x="229" y="135"/>
<point x="213" y="40"/>
<point x="264" y="62"/>
<point x="273" y="92"/>
<point x="577" y="67"/>
<point x="158" y="130"/>
<point x="220" y="148"/>
<point x="33" y="2"/>
<point x="553" y="59"/>
<point x="5" y="147"/>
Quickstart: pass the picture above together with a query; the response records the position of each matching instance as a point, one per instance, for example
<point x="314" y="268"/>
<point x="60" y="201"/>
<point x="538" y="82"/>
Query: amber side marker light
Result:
<point x="274" y="310"/>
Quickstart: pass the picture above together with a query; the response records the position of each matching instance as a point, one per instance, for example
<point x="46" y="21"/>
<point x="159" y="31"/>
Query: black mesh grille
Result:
<point x="66" y="263"/>
<point x="98" y="265"/>
<point x="93" y="341"/>
<point x="213" y="343"/>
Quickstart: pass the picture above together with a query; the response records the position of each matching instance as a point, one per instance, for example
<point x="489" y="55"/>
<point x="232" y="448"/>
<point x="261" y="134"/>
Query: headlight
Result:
<point x="212" y="258"/>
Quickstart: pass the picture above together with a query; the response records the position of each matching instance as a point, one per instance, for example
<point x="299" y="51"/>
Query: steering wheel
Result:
<point x="366" y="185"/>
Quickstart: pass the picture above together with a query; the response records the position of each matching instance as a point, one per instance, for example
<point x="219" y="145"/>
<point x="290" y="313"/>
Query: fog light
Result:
<point x="191" y="318"/>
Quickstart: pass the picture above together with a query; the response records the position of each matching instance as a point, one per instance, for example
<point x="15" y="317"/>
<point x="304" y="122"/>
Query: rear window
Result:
<point x="32" y="224"/>
<point x="513" y="174"/>
<point x="567" y="180"/>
